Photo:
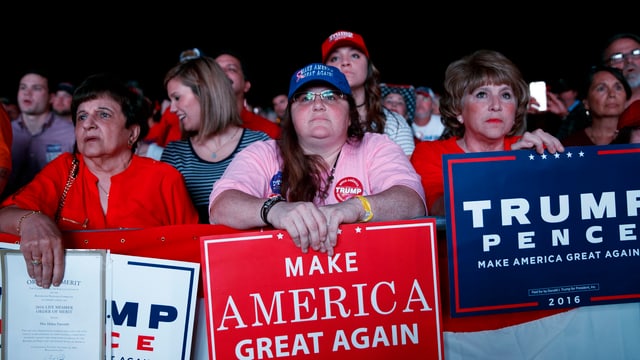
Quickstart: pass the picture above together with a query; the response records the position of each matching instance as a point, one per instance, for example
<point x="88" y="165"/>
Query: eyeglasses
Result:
<point x="327" y="97"/>
<point x="617" y="58"/>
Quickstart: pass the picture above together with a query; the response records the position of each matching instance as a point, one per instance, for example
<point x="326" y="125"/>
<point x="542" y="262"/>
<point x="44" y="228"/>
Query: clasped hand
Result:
<point x="312" y="226"/>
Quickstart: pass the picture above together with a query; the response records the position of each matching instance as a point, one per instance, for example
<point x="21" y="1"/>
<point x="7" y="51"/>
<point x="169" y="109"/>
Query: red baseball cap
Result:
<point x="343" y="38"/>
<point x="630" y="117"/>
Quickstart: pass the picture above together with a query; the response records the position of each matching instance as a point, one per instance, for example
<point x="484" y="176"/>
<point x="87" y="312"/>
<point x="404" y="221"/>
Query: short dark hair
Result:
<point x="615" y="37"/>
<point x="41" y="71"/>
<point x="236" y="54"/>
<point x="617" y="73"/>
<point x="135" y="107"/>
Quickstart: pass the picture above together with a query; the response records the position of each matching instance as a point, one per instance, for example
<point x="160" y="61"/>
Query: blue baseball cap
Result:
<point x="318" y="72"/>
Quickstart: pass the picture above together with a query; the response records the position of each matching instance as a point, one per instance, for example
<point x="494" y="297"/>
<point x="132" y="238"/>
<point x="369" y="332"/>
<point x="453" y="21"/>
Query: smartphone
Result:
<point x="538" y="90"/>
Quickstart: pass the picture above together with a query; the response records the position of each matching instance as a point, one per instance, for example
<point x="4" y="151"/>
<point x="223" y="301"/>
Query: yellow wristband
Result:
<point x="368" y="213"/>
<point x="23" y="217"/>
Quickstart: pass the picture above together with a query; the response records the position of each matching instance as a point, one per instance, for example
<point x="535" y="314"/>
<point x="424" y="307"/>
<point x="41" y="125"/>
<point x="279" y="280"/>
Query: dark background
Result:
<point x="407" y="45"/>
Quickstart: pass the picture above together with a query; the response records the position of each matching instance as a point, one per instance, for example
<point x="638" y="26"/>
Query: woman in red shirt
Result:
<point x="103" y="185"/>
<point x="483" y="109"/>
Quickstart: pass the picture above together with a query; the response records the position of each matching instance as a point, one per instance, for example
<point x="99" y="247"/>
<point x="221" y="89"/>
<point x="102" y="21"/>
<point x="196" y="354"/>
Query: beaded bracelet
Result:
<point x="266" y="207"/>
<point x="23" y="218"/>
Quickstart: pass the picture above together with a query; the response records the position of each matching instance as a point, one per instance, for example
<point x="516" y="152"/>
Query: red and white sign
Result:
<point x="376" y="298"/>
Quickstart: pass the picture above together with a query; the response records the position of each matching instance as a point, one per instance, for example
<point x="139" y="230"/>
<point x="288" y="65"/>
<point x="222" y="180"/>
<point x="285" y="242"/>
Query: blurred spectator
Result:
<point x="629" y="125"/>
<point x="280" y="102"/>
<point x="622" y="51"/>
<point x="565" y="102"/>
<point x="6" y="138"/>
<point x="565" y="112"/>
<point x="11" y="107"/>
<point x="61" y="100"/>
<point x="236" y="72"/>
<point x="165" y="130"/>
<point x="607" y="93"/>
<point x="39" y="135"/>
<point x="427" y="125"/>
<point x="399" y="98"/>
<point x="436" y="103"/>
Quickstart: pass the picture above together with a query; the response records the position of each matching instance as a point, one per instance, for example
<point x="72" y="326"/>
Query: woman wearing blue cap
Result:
<point x="324" y="170"/>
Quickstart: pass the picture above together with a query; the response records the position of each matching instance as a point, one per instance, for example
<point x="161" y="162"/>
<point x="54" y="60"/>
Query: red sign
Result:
<point x="376" y="298"/>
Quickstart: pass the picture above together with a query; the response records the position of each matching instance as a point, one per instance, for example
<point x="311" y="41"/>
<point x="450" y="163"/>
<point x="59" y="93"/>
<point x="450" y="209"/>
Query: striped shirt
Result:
<point x="398" y="129"/>
<point x="200" y="174"/>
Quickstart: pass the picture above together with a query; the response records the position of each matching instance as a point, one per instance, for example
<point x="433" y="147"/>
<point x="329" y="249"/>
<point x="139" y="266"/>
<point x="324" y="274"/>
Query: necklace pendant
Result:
<point x="214" y="155"/>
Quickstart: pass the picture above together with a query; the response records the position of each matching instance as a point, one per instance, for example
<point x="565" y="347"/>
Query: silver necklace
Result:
<point x="214" y="153"/>
<point x="103" y="190"/>
<point x="330" y="177"/>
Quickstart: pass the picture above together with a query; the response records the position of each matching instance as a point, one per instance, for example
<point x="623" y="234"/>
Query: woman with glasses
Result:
<point x="324" y="170"/>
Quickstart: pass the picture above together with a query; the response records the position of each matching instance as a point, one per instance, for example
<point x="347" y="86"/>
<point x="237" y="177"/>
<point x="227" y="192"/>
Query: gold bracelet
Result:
<point x="368" y="213"/>
<point x="23" y="217"/>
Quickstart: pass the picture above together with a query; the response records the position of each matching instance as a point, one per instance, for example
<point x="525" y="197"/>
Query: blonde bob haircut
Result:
<point x="212" y="87"/>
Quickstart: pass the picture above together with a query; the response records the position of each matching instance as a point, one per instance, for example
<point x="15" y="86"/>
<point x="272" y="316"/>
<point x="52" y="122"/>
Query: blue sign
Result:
<point x="529" y="231"/>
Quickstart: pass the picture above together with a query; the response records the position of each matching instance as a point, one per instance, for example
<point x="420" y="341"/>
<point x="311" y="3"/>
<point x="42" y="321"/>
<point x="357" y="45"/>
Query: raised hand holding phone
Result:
<point x="538" y="90"/>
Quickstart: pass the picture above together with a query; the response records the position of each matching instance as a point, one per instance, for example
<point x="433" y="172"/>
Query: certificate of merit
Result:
<point x="62" y="322"/>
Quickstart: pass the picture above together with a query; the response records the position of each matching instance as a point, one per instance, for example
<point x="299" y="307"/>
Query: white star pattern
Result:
<point x="280" y="236"/>
<point x="358" y="230"/>
<point x="557" y="155"/>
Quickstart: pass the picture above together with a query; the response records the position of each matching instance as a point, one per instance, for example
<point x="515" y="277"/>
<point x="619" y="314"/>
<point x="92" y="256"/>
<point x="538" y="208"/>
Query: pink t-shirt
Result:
<point x="366" y="168"/>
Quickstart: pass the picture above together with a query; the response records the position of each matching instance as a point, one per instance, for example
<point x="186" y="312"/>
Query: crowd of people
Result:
<point x="342" y="146"/>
